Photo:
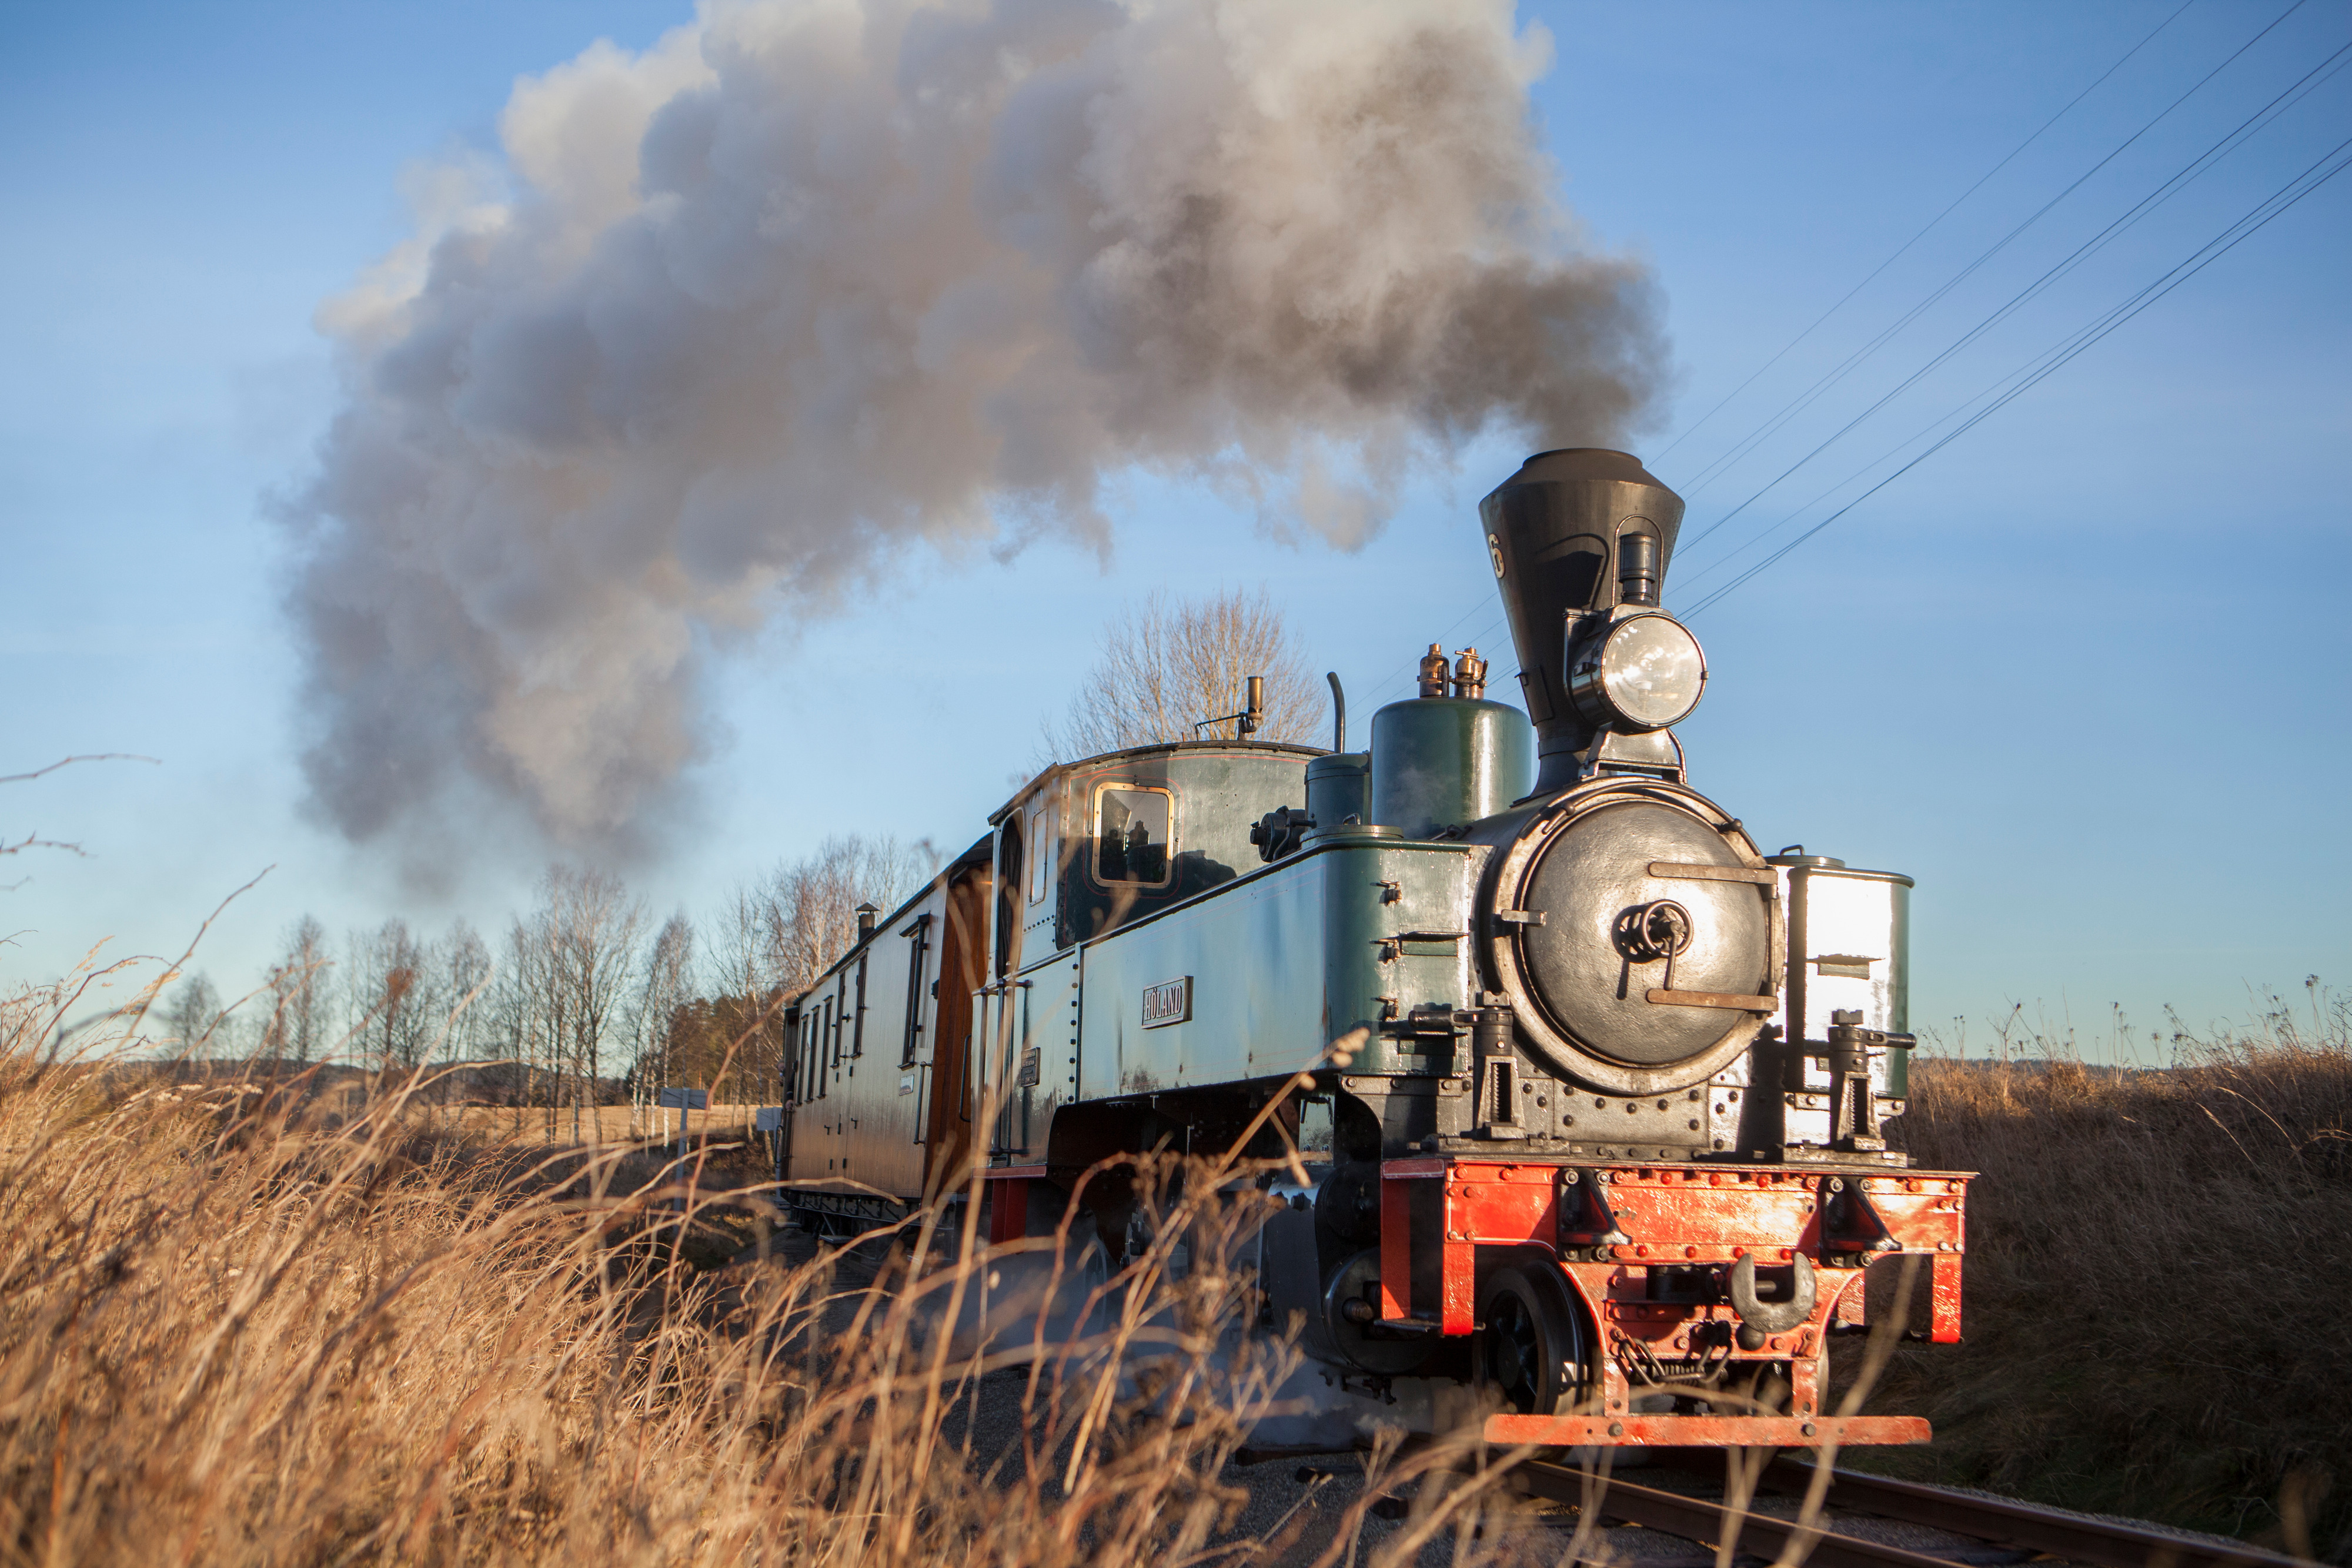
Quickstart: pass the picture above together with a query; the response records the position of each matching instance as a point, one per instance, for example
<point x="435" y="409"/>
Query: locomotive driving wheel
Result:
<point x="1532" y="1349"/>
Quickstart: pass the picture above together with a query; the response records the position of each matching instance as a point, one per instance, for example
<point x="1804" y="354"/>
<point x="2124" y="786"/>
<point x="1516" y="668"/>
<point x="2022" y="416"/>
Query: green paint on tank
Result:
<point x="1360" y="928"/>
<point x="1339" y="787"/>
<point x="1441" y="762"/>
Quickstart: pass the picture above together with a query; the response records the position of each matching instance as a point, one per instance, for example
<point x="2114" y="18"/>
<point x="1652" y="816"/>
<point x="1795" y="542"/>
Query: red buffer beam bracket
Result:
<point x="1652" y="1216"/>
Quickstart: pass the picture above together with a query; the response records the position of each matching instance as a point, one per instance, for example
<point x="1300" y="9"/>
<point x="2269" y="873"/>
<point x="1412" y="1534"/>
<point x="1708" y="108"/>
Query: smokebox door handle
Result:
<point x="1761" y="876"/>
<point x="1731" y="1001"/>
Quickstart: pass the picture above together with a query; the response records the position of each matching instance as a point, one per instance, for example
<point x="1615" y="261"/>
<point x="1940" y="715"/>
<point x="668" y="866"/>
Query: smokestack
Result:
<point x="1556" y="532"/>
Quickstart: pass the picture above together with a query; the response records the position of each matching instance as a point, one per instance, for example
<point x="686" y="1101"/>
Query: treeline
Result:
<point x="582" y="1001"/>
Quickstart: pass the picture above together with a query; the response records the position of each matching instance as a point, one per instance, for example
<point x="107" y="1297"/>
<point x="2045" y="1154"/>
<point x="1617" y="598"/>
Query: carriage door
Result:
<point x="961" y="970"/>
<point x="788" y="1078"/>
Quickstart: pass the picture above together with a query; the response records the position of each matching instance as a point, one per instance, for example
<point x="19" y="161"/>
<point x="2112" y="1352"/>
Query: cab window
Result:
<point x="1040" y="854"/>
<point x="1131" y="835"/>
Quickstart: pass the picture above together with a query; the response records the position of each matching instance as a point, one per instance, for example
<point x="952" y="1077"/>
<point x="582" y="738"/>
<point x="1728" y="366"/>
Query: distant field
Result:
<point x="343" y="1092"/>
<point x="597" y="1125"/>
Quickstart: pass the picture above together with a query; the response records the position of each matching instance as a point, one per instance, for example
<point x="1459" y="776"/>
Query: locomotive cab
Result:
<point x="1118" y="837"/>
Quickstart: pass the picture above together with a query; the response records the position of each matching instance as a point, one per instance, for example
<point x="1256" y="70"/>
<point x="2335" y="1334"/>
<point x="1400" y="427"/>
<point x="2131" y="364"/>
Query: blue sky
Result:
<point x="2083" y="673"/>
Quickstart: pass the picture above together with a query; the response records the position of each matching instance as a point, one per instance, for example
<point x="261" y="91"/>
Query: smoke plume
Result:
<point x="736" y="321"/>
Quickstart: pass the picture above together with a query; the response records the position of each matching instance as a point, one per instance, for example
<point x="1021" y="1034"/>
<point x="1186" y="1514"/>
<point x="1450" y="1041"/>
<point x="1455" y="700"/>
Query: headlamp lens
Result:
<point x="1652" y="671"/>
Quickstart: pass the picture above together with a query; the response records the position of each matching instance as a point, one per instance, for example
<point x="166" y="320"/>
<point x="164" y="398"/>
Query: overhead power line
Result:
<point x="2310" y="81"/>
<point x="1494" y="623"/>
<point x="1775" y="422"/>
<point x="2318" y="173"/>
<point x="1904" y="247"/>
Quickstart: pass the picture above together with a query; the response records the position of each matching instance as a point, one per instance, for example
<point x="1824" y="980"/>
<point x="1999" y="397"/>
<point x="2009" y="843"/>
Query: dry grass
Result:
<point x="239" y="1325"/>
<point x="2158" y="1303"/>
<point x="231" y="1332"/>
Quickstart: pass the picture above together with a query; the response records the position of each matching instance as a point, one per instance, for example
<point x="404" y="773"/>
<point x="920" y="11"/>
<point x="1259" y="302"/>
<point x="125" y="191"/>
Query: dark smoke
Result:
<point x="813" y="282"/>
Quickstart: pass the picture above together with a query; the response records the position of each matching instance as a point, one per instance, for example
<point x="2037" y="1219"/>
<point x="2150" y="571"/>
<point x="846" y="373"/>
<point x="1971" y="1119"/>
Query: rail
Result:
<point x="2078" y="1537"/>
<point x="2003" y="1521"/>
<point x="1708" y="1521"/>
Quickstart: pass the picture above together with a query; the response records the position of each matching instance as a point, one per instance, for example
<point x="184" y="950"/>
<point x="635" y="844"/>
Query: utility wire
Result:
<point x="2066" y="350"/>
<point x="2047" y="364"/>
<point x="2310" y="81"/>
<point x="1779" y="419"/>
<point x="1904" y="248"/>
<point x="1805" y="400"/>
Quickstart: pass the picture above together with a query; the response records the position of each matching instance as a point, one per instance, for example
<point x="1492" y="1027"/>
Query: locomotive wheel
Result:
<point x="1532" y="1349"/>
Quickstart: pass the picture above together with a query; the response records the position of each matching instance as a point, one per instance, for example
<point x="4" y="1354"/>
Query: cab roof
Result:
<point x="1162" y="749"/>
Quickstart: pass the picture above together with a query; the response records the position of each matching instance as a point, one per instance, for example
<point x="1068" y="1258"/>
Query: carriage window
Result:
<point x="1041" y="853"/>
<point x="918" y="955"/>
<point x="858" y="1017"/>
<point x="1132" y="833"/>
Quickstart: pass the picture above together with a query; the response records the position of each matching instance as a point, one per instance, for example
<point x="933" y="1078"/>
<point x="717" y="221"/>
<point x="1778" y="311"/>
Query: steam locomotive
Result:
<point x="1600" y="1089"/>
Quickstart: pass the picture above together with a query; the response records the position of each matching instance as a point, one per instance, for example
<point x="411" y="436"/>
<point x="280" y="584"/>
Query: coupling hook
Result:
<point x="1772" y="1317"/>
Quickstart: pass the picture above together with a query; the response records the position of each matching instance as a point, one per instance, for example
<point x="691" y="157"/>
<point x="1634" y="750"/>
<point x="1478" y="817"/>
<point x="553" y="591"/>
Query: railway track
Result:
<point x="2000" y="1522"/>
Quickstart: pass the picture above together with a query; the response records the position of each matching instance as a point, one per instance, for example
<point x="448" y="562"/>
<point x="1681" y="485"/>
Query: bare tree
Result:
<point x="665" y="987"/>
<point x="579" y="950"/>
<point x="390" y="998"/>
<point x="297" y="1027"/>
<point x="810" y="905"/>
<point x="193" y="1016"/>
<point x="518" y="1019"/>
<point x="773" y="939"/>
<point x="725" y="1035"/>
<point x="743" y="955"/>
<point x="465" y="971"/>
<point x="1170" y="663"/>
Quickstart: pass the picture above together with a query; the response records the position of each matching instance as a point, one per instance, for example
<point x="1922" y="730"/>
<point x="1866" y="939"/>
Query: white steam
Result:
<point x="813" y="282"/>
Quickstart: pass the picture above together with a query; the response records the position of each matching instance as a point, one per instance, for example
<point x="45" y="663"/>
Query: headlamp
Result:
<point x="1643" y="671"/>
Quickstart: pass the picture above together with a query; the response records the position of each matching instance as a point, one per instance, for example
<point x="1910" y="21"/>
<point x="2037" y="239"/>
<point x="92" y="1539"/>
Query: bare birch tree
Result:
<point x="721" y="1036"/>
<point x="580" y="948"/>
<point x="775" y="938"/>
<point x="665" y="986"/>
<point x="810" y="905"/>
<point x="193" y="1016"/>
<point x="464" y="965"/>
<point x="391" y="999"/>
<point x="519" y="1015"/>
<point x="1170" y="663"/>
<point x="297" y="1027"/>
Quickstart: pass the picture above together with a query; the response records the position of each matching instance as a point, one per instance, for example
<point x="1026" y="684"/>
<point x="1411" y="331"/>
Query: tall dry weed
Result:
<point x="233" y="1328"/>
<point x="2159" y="1282"/>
